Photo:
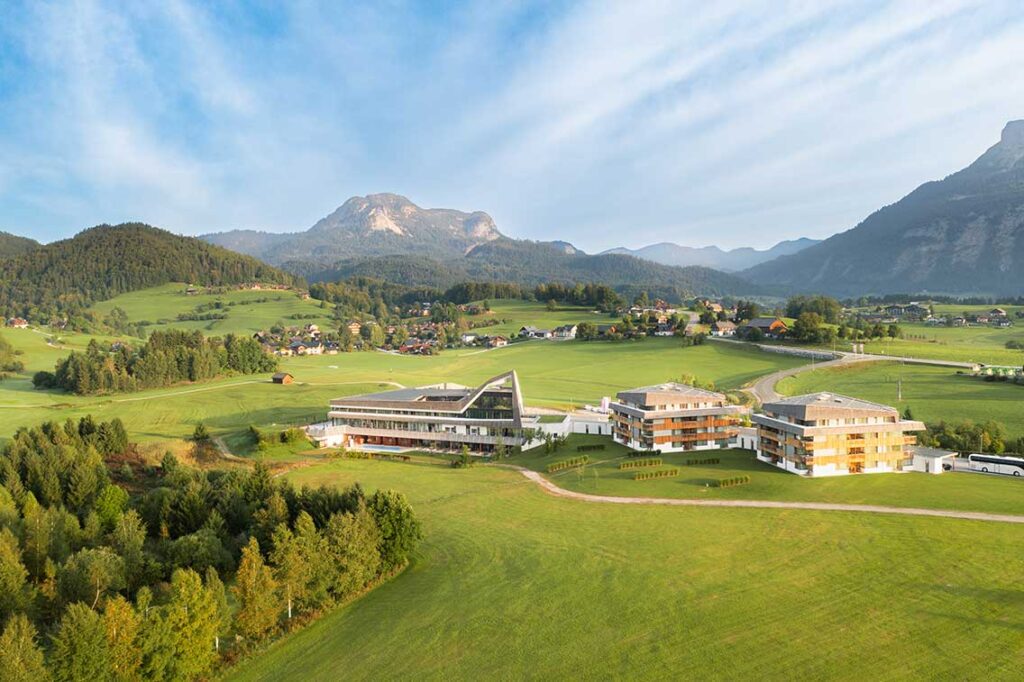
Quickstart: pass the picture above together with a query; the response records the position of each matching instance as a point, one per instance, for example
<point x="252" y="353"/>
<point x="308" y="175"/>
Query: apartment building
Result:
<point x="824" y="434"/>
<point x="435" y="417"/>
<point x="674" y="417"/>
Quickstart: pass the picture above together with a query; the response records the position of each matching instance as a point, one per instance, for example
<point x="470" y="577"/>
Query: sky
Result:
<point x="604" y="124"/>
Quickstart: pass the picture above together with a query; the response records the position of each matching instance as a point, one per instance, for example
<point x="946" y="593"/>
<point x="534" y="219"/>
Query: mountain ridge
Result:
<point x="961" y="235"/>
<point x="726" y="260"/>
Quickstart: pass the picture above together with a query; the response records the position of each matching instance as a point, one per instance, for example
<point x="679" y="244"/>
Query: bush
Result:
<point x="590" y="448"/>
<point x="660" y="473"/>
<point x="294" y="435"/>
<point x="731" y="482"/>
<point x="638" y="463"/>
<point x="568" y="464"/>
<point x="692" y="462"/>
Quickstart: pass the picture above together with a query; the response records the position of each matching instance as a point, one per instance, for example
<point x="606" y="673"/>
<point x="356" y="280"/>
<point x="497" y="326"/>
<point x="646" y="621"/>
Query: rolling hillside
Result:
<point x="65" y="277"/>
<point x="14" y="245"/>
<point x="726" y="260"/>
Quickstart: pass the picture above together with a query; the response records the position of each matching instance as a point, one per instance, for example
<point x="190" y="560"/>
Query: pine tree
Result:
<point x="256" y="591"/>
<point x="80" y="649"/>
<point x="21" y="659"/>
<point x="14" y="590"/>
<point x="399" y="528"/>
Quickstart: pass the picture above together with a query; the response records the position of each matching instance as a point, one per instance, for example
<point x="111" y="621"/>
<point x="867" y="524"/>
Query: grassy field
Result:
<point x="602" y="476"/>
<point x="510" y="583"/>
<point x="553" y="374"/>
<point x="962" y="344"/>
<point x="932" y="393"/>
<point x="246" y="310"/>
<point x="518" y="314"/>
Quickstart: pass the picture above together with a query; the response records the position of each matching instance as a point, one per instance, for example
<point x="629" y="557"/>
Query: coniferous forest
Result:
<point x="124" y="573"/>
<point x="168" y="357"/>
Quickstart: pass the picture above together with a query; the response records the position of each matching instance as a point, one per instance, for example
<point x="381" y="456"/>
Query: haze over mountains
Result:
<point x="731" y="260"/>
<point x="960" y="235"/>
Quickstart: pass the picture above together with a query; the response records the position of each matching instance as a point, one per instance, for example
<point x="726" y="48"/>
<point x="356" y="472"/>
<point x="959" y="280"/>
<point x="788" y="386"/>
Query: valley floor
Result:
<point x="511" y="582"/>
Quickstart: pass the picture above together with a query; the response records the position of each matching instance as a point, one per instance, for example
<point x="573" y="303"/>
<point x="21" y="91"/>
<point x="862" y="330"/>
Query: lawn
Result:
<point x="602" y="476"/>
<point x="510" y="583"/>
<point x="932" y="393"/>
<point x="554" y="374"/>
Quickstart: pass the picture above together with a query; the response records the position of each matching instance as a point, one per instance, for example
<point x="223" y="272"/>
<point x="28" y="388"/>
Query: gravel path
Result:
<point x="553" y="489"/>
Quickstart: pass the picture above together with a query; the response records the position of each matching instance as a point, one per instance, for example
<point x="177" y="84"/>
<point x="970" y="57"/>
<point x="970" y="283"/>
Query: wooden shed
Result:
<point x="282" y="378"/>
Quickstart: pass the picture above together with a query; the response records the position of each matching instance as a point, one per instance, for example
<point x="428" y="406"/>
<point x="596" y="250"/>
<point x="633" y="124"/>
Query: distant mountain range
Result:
<point x="389" y="237"/>
<point x="731" y="260"/>
<point x="960" y="235"/>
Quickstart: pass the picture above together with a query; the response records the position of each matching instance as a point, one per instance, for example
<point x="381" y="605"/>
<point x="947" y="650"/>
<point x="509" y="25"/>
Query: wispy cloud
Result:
<point x="602" y="123"/>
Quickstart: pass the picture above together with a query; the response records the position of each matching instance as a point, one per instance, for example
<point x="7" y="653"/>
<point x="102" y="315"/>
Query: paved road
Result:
<point x="763" y="389"/>
<point x="553" y="489"/>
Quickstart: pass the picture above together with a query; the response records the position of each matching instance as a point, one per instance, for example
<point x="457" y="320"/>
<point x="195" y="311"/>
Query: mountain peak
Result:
<point x="1013" y="134"/>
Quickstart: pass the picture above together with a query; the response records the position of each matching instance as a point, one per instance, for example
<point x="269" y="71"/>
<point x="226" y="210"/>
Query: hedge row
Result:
<point x="730" y="482"/>
<point x="638" y="453"/>
<point x="660" y="473"/>
<point x="359" y="454"/>
<point x="568" y="463"/>
<point x="637" y="463"/>
<point x="590" y="448"/>
<point x="710" y="460"/>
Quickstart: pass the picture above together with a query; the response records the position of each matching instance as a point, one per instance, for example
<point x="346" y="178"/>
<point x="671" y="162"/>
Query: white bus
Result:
<point x="997" y="464"/>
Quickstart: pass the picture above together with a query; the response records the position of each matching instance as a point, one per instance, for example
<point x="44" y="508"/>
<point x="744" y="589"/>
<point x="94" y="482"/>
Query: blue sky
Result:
<point x="600" y="123"/>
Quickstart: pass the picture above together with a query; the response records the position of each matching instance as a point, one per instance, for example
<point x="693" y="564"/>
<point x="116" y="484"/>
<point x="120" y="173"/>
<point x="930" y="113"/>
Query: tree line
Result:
<point x="167" y="358"/>
<point x="96" y="584"/>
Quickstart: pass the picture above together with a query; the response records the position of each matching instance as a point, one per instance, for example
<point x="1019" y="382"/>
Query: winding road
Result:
<point x="555" y="490"/>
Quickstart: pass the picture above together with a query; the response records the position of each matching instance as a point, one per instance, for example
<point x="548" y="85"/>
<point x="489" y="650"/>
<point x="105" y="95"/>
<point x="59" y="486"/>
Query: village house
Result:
<point x="282" y="378"/>
<point x="354" y="327"/>
<point x="468" y="338"/>
<point x="723" y="328"/>
<point x="17" y="323"/>
<point x="567" y="331"/>
<point x="665" y="329"/>
<point x="496" y="342"/>
<point x="772" y="327"/>
<point x="531" y="332"/>
<point x="997" y="312"/>
<point x="302" y="347"/>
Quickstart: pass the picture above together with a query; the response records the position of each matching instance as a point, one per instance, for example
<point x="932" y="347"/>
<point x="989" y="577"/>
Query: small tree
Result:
<point x="200" y="434"/>
<point x="256" y="591"/>
<point x="399" y="528"/>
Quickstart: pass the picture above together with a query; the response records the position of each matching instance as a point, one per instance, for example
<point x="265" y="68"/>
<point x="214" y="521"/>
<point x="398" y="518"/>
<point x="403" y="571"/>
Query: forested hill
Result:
<point x="531" y="263"/>
<point x="14" y="245"/>
<point x="62" y="278"/>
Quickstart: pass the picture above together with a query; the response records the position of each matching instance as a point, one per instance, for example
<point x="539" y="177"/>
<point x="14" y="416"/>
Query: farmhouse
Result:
<point x="530" y="332"/>
<point x="672" y="417"/>
<point x="17" y="323"/>
<point x="723" y="328"/>
<point x="433" y="417"/>
<point x="564" y="332"/>
<point x="997" y="312"/>
<point x="497" y="342"/>
<point x="282" y="378"/>
<point x="769" y="326"/>
<point x="824" y="434"/>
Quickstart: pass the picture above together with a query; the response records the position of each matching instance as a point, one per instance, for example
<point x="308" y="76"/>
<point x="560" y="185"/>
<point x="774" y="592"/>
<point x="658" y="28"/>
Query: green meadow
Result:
<point x="602" y="476"/>
<point x="553" y="374"/>
<point x="931" y="393"/>
<point x="962" y="344"/>
<point x="510" y="583"/>
<point x="247" y="310"/>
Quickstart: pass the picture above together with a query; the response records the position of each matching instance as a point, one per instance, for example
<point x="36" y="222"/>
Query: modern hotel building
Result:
<point x="823" y="434"/>
<point x="436" y="417"/>
<point x="674" y="417"/>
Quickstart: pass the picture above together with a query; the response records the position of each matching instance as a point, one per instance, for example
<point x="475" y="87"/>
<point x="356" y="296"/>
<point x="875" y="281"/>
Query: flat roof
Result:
<point x="824" y="402"/>
<point x="669" y="390"/>
<point x="930" y="453"/>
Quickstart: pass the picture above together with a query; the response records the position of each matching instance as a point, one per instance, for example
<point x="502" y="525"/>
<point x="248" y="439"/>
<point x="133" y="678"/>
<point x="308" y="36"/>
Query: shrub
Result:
<point x="730" y="482"/>
<point x="590" y="448"/>
<point x="638" y="463"/>
<point x="568" y="464"/>
<point x="660" y="473"/>
<point x="692" y="462"/>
